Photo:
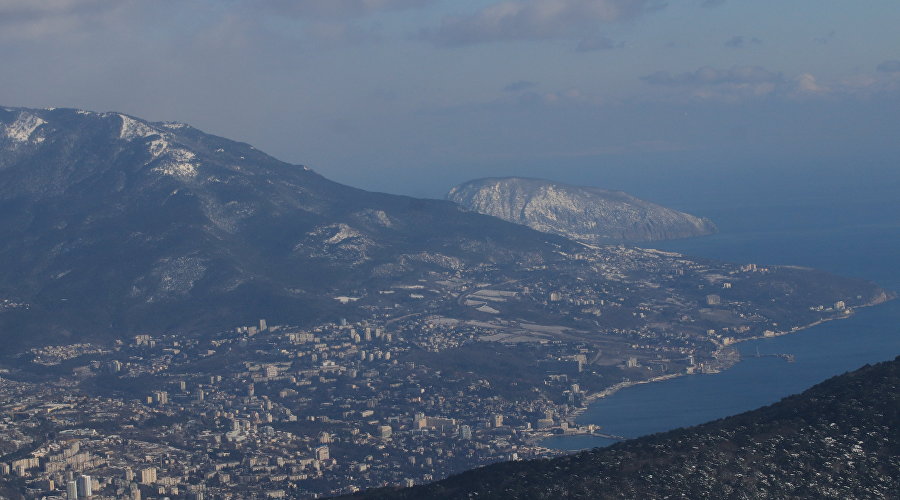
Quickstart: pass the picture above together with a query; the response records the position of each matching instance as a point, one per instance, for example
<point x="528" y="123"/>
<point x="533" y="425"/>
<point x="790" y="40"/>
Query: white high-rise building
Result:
<point x="85" y="488"/>
<point x="148" y="475"/>
<point x="72" y="490"/>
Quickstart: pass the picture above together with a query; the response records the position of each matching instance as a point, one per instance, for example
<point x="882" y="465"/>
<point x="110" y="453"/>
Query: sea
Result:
<point x="856" y="235"/>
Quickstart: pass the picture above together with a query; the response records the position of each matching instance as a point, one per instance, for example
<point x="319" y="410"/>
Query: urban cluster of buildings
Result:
<point x="446" y="374"/>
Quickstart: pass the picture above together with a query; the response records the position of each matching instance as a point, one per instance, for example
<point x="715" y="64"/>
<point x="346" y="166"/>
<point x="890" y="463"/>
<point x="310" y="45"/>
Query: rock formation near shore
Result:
<point x="586" y="214"/>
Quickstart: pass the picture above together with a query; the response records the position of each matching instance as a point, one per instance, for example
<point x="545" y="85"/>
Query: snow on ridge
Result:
<point x="177" y="162"/>
<point x="133" y="129"/>
<point x="174" y="125"/>
<point x="23" y="128"/>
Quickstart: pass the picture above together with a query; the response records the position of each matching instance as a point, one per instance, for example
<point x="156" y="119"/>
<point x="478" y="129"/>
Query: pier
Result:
<point x="787" y="357"/>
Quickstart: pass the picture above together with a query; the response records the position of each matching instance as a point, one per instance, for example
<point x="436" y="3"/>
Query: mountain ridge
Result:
<point x="142" y="223"/>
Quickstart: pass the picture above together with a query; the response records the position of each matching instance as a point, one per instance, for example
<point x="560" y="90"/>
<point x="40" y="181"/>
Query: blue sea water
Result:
<point x="850" y="237"/>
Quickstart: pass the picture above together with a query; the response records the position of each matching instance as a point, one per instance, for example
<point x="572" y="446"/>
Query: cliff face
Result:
<point x="586" y="214"/>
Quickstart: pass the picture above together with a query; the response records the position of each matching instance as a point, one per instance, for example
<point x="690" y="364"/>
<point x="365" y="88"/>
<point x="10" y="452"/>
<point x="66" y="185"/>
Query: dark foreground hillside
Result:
<point x="839" y="439"/>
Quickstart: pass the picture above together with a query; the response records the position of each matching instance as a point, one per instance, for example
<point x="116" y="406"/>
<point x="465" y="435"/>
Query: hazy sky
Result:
<point x="413" y="96"/>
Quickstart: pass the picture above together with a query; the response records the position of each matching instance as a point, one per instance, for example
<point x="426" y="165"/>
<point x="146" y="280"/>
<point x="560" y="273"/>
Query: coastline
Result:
<point x="884" y="297"/>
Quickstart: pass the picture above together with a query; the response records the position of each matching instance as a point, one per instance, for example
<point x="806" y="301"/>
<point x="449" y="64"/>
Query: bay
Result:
<point x="852" y="238"/>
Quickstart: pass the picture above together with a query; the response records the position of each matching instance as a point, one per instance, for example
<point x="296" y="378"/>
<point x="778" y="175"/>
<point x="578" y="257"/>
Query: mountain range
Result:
<point x="112" y="226"/>
<point x="110" y="223"/>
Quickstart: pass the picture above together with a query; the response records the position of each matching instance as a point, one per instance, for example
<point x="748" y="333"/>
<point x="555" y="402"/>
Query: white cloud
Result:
<point x="41" y="8"/>
<point x="31" y="19"/>
<point x="598" y="43"/>
<point x="536" y="20"/>
<point x="752" y="82"/>
<point x="807" y="84"/>
<point x="711" y="76"/>
<point x="336" y="8"/>
<point x="707" y="83"/>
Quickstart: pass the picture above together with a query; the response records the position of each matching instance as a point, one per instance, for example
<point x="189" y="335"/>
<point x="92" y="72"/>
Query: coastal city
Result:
<point x="466" y="368"/>
<point x="449" y="250"/>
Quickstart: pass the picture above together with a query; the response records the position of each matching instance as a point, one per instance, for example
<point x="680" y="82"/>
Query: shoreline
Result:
<point x="609" y="391"/>
<point x="884" y="298"/>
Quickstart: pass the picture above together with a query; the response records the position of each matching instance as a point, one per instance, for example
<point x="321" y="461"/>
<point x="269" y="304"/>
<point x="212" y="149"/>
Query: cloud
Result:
<point x="567" y="96"/>
<point x="13" y="10"/>
<point x="536" y="20"/>
<point x="892" y="66"/>
<point x="325" y="23"/>
<point x="752" y="82"/>
<point x="34" y="19"/>
<point x="519" y="86"/>
<point x="733" y="84"/>
<point x="739" y="42"/>
<point x="824" y="40"/>
<point x="337" y="34"/>
<point x="711" y="76"/>
<point x="335" y="8"/>
<point x="598" y="43"/>
<point x="806" y="84"/>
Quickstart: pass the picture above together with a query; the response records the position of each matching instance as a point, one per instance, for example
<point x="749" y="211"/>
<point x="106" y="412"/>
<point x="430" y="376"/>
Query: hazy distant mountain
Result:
<point x="587" y="214"/>
<point x="109" y="223"/>
<point x="839" y="439"/>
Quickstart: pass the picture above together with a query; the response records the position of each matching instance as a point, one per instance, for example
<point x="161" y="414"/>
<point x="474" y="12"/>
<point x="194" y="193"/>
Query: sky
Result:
<point x="665" y="99"/>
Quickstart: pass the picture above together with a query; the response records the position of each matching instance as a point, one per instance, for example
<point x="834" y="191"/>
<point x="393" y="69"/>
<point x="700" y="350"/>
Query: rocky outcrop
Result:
<point x="586" y="214"/>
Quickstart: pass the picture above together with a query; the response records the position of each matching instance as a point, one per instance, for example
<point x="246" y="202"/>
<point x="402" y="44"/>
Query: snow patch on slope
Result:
<point x="22" y="130"/>
<point x="178" y="162"/>
<point x="343" y="232"/>
<point x="157" y="147"/>
<point x="374" y="217"/>
<point x="336" y="242"/>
